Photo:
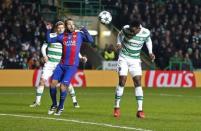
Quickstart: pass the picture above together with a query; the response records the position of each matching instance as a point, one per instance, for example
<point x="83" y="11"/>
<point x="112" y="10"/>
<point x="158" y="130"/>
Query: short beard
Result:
<point x="70" y="30"/>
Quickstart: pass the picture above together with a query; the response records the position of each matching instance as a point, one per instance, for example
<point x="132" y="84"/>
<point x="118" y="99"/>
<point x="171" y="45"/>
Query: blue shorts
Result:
<point x="64" y="73"/>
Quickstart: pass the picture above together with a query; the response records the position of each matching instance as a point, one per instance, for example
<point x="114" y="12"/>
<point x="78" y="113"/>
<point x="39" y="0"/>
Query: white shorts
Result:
<point x="48" y="70"/>
<point x="129" y="64"/>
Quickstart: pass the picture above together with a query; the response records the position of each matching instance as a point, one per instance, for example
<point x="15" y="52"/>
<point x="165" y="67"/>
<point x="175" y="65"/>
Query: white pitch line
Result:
<point x="77" y="121"/>
<point x="170" y="95"/>
<point x="148" y="94"/>
<point x="15" y="93"/>
<point x="162" y="94"/>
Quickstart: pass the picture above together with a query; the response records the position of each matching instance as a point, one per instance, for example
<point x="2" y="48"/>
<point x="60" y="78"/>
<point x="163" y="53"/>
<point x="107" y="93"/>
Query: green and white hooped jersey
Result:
<point x="54" y="50"/>
<point x="132" y="45"/>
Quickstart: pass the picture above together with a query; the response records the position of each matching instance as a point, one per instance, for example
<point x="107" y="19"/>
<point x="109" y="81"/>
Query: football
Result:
<point x="105" y="17"/>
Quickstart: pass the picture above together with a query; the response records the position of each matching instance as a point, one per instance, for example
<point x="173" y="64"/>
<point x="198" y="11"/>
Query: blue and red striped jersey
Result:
<point x="71" y="43"/>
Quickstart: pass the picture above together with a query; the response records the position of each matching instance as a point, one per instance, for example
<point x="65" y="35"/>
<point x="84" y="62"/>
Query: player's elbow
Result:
<point x="90" y="40"/>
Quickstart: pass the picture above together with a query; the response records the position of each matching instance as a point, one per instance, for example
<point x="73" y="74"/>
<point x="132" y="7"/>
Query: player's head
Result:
<point x="70" y="25"/>
<point x="60" y="27"/>
<point x="135" y="27"/>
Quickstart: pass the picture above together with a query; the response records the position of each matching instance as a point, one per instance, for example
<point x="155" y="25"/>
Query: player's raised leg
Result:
<point x="73" y="96"/>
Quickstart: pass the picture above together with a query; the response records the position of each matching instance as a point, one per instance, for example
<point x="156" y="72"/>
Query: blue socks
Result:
<point x="53" y="94"/>
<point x="63" y="95"/>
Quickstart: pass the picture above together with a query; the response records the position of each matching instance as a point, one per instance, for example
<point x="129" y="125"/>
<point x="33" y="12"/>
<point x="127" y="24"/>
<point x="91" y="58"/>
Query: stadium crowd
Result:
<point x="175" y="27"/>
<point x="22" y="31"/>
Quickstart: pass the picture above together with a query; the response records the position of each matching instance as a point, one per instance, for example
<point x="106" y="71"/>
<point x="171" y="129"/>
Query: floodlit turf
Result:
<point x="165" y="110"/>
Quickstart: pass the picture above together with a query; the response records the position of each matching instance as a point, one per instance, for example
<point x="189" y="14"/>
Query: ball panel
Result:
<point x="105" y="17"/>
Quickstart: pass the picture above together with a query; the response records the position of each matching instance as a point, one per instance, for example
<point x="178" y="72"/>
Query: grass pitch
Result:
<point x="166" y="109"/>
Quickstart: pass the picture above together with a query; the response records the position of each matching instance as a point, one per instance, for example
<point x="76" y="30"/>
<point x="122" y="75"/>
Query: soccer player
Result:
<point x="130" y="41"/>
<point x="71" y="42"/>
<point x="52" y="58"/>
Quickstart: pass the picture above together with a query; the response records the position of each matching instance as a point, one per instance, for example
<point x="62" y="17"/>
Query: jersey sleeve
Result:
<point x="48" y="36"/>
<point x="149" y="45"/>
<point x="43" y="49"/>
<point x="53" y="37"/>
<point x="86" y="36"/>
<point x="60" y="38"/>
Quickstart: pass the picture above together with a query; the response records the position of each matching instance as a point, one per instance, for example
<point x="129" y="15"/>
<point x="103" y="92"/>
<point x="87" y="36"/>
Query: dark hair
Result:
<point x="68" y="19"/>
<point x="135" y="23"/>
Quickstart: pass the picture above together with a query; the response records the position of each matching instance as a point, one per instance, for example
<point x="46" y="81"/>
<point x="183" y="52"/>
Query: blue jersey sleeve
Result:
<point x="86" y="36"/>
<point x="60" y="37"/>
<point x="48" y="36"/>
<point x="54" y="38"/>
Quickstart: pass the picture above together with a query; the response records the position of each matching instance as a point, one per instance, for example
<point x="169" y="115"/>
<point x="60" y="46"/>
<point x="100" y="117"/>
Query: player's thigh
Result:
<point x="135" y="68"/>
<point x="47" y="71"/>
<point x="58" y="73"/>
<point x="68" y="75"/>
<point x="122" y="67"/>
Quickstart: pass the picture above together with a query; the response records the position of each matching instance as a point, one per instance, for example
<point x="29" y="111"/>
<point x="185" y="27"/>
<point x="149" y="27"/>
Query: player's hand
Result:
<point x="45" y="58"/>
<point x="83" y="28"/>
<point x="48" y="26"/>
<point x="83" y="59"/>
<point x="152" y="56"/>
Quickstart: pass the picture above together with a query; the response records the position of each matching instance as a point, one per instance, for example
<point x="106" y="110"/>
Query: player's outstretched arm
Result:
<point x="87" y="37"/>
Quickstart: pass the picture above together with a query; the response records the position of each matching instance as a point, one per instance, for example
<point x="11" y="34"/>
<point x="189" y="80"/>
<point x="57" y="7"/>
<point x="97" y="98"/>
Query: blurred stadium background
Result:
<point x="175" y="27"/>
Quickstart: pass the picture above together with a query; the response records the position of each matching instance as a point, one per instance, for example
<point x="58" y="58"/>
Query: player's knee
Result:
<point x="63" y="87"/>
<point x="70" y="87"/>
<point x="137" y="81"/>
<point x="122" y="83"/>
<point x="42" y="82"/>
<point x="54" y="83"/>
